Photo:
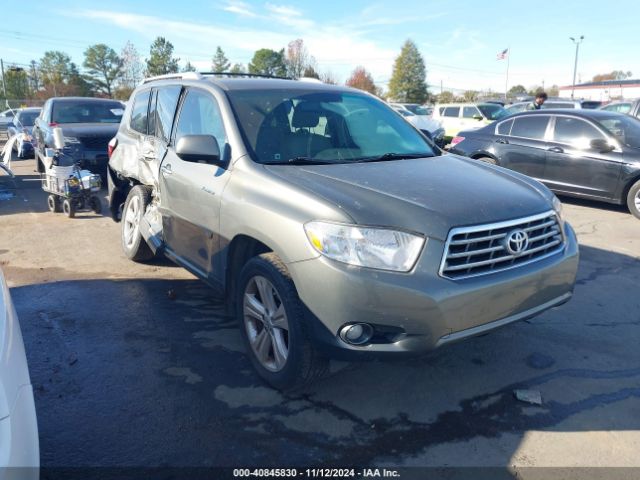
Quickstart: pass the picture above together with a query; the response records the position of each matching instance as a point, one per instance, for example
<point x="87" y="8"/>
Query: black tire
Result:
<point x="54" y="203"/>
<point x="134" y="245"/>
<point x="633" y="199"/>
<point x="95" y="204"/>
<point x="489" y="160"/>
<point x="303" y="363"/>
<point x="69" y="208"/>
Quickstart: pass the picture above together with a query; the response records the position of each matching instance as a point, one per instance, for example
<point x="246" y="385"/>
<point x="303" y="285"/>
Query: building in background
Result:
<point x="604" y="91"/>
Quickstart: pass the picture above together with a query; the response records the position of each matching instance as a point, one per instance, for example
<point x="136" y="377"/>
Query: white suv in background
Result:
<point x="456" y="117"/>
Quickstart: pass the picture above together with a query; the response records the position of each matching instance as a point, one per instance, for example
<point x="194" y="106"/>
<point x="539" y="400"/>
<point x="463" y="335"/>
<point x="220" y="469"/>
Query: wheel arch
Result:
<point x="481" y="154"/>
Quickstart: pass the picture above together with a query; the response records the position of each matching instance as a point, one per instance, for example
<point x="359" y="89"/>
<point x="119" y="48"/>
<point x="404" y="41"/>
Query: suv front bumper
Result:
<point x="430" y="310"/>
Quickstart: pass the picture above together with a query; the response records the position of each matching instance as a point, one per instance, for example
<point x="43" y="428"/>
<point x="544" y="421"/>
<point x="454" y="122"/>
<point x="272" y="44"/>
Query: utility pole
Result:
<point x="575" y="65"/>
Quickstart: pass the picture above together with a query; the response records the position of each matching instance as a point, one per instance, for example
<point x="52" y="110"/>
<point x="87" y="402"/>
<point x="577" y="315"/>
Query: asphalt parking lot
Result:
<point x="137" y="365"/>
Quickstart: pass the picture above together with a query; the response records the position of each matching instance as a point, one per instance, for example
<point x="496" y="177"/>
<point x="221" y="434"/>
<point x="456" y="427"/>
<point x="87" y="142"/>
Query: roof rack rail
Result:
<point x="240" y="74"/>
<point x="173" y="76"/>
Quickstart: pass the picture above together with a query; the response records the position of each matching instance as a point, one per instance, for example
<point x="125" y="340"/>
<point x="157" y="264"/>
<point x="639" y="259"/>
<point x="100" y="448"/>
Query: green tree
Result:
<point x="34" y="77"/>
<point x="60" y="76"/>
<point x="220" y="62"/>
<point x="362" y="80"/>
<point x="104" y="67"/>
<point x="470" y="96"/>
<point x="310" y="72"/>
<point x="17" y="83"/>
<point x="268" y="62"/>
<point x="615" y="75"/>
<point x="188" y="67"/>
<point x="446" y="97"/>
<point x="409" y="78"/>
<point x="237" y="68"/>
<point x="161" y="61"/>
<point x="517" y="90"/>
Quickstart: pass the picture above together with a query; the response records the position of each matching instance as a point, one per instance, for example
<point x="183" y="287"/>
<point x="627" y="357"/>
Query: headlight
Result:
<point x="71" y="140"/>
<point x="380" y="248"/>
<point x="557" y="206"/>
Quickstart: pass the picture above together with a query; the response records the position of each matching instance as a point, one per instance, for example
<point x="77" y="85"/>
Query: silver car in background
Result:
<point x="19" y="447"/>
<point x="333" y="227"/>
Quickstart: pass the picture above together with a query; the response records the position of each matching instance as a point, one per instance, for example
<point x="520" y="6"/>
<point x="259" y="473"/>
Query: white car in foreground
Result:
<point x="19" y="447"/>
<point x="432" y="128"/>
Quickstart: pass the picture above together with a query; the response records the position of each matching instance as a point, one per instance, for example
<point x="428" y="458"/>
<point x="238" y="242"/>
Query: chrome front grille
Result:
<point x="484" y="249"/>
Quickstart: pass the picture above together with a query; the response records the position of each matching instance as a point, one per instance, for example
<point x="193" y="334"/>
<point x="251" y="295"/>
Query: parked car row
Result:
<point x="21" y="126"/>
<point x="592" y="154"/>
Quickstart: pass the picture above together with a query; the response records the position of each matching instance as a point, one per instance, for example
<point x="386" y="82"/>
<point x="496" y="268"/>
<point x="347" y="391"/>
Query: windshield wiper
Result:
<point x="300" y="161"/>
<point x="394" y="156"/>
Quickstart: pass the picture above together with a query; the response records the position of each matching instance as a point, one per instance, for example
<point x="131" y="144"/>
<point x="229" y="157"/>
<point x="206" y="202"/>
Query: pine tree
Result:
<point x="188" y="67"/>
<point x="161" y="61"/>
<point x="408" y="81"/>
<point x="104" y="67"/>
<point x="268" y="62"/>
<point x="220" y="62"/>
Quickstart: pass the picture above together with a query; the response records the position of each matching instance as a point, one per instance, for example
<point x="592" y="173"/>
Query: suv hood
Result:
<point x="89" y="129"/>
<point x="430" y="195"/>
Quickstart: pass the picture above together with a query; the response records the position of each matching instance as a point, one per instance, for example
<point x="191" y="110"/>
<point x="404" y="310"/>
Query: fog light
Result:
<point x="357" y="333"/>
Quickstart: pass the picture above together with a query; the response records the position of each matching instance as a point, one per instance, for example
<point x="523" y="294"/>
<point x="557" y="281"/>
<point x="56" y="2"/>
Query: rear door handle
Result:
<point x="503" y="141"/>
<point x="555" y="150"/>
<point x="166" y="169"/>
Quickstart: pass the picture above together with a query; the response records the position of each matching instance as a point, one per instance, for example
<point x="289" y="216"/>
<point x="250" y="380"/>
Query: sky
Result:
<point x="459" y="40"/>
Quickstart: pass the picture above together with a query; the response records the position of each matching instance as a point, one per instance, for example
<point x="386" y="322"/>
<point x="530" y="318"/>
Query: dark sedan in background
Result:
<point x="88" y="124"/>
<point x="22" y="126"/>
<point x="592" y="154"/>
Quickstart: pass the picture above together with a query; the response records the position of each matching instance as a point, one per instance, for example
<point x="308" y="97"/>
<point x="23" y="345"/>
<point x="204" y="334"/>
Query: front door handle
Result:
<point x="555" y="150"/>
<point x="166" y="169"/>
<point x="503" y="141"/>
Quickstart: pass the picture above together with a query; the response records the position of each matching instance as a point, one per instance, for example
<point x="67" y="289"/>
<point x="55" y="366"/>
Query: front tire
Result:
<point x="133" y="244"/>
<point x="633" y="199"/>
<point x="271" y="317"/>
<point x="69" y="208"/>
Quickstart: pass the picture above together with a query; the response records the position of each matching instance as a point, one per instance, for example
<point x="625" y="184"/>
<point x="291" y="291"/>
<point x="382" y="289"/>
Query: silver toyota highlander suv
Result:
<point x="333" y="227"/>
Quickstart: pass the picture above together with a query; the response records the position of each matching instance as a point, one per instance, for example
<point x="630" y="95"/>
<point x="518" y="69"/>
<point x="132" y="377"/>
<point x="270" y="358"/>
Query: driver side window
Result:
<point x="200" y="115"/>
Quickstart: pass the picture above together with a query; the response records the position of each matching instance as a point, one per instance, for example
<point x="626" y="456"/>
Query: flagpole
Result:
<point x="506" y="82"/>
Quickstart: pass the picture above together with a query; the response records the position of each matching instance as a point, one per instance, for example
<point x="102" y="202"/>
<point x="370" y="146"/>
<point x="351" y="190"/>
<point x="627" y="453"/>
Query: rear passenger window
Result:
<point x="166" y="102"/>
<point x="505" y="127"/>
<point x="451" y="112"/>
<point x="200" y="116"/>
<point x="470" y="112"/>
<point x="139" y="112"/>
<point x="533" y="127"/>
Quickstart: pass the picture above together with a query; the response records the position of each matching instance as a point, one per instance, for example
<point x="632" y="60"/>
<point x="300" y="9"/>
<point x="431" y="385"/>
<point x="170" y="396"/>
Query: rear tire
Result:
<point x="271" y="317"/>
<point x="69" y="208"/>
<point x="633" y="199"/>
<point x="54" y="203"/>
<point x="133" y="244"/>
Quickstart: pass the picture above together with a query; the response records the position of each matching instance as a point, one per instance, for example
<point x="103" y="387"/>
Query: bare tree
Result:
<point x="298" y="58"/>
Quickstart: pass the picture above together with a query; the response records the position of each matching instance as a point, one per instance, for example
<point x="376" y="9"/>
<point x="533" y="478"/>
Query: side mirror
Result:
<point x="601" y="145"/>
<point x="477" y="117"/>
<point x="58" y="138"/>
<point x="199" y="148"/>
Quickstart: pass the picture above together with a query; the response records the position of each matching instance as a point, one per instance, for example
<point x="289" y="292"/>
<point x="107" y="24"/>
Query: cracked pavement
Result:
<point x="138" y="365"/>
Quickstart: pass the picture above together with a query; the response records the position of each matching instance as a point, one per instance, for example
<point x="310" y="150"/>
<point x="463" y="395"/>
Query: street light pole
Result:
<point x="575" y="65"/>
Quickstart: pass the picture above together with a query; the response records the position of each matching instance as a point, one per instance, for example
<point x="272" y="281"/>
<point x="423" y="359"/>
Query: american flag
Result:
<point x="503" y="54"/>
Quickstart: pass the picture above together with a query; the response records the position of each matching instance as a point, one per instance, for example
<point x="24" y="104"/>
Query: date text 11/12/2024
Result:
<point x="315" y="473"/>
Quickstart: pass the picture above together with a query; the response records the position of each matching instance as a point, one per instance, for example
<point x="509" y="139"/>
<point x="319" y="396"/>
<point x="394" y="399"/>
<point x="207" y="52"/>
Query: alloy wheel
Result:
<point x="266" y="323"/>
<point x="131" y="222"/>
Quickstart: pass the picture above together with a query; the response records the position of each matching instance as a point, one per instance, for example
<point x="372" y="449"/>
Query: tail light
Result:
<point x="53" y="124"/>
<point x="113" y="143"/>
<point x="456" y="140"/>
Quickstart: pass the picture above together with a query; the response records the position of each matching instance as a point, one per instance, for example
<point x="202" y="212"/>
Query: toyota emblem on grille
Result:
<point x="516" y="242"/>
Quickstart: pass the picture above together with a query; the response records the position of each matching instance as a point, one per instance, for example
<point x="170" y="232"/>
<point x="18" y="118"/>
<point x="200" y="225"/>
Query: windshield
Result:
<point x="322" y="126"/>
<point x="626" y="129"/>
<point x="492" y="111"/>
<point x="27" y="119"/>
<point x="87" y="112"/>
